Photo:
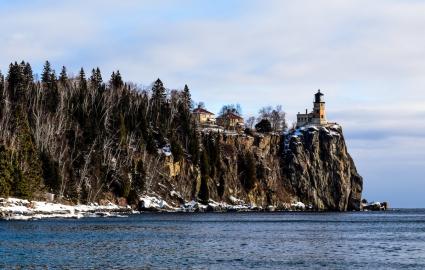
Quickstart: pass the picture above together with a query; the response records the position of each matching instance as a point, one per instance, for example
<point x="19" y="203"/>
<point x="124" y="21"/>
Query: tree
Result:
<point x="263" y="126"/>
<point x="46" y="74"/>
<point x="250" y="122"/>
<point x="6" y="173"/>
<point x="27" y="73"/>
<point x="158" y="103"/>
<point x="51" y="93"/>
<point x="63" y="76"/>
<point x="176" y="149"/>
<point x="82" y="82"/>
<point x="236" y="109"/>
<point x="277" y="119"/>
<point x="15" y="83"/>
<point x="116" y="80"/>
<point x="158" y="92"/>
<point x="186" y="98"/>
<point x="276" y="116"/>
<point x="96" y="79"/>
<point x="29" y="175"/>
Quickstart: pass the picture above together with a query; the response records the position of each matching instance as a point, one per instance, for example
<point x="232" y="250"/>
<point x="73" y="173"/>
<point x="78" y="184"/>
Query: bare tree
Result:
<point x="250" y="122"/>
<point x="276" y="116"/>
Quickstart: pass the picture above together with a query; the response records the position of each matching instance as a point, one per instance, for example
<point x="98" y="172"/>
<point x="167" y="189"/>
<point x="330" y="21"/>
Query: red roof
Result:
<point x="231" y="115"/>
<point x="201" y="110"/>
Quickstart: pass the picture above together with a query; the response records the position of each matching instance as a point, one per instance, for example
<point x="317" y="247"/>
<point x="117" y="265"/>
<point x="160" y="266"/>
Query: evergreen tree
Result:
<point x="176" y="149"/>
<point x="263" y="126"/>
<point x="51" y="93"/>
<point x="6" y="173"/>
<point x="116" y="80"/>
<point x="187" y="101"/>
<point x="15" y="86"/>
<point x="82" y="82"/>
<point x="96" y="79"/>
<point x="158" y="92"/>
<point x="51" y="175"/>
<point x="46" y="74"/>
<point x="27" y="73"/>
<point x="158" y="101"/>
<point x="30" y="176"/>
<point x="63" y="76"/>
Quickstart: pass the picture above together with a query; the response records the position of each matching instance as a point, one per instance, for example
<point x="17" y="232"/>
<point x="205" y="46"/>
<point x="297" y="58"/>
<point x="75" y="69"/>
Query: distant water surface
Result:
<point x="366" y="240"/>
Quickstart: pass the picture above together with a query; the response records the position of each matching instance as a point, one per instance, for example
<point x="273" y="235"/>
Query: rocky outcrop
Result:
<point x="318" y="170"/>
<point x="270" y="171"/>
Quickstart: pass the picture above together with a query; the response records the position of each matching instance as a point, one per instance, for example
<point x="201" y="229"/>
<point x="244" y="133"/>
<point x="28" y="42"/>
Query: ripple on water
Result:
<point x="387" y="240"/>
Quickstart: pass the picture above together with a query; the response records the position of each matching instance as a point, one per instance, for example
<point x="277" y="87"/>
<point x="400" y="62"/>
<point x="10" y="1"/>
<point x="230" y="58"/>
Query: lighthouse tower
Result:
<point x="319" y="113"/>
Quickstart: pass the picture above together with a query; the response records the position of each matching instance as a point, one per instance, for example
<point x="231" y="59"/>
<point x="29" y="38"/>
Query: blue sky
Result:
<point x="368" y="57"/>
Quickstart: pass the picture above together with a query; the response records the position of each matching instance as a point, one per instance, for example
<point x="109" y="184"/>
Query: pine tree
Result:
<point x="46" y="74"/>
<point x="6" y="173"/>
<point x="15" y="86"/>
<point x="27" y="73"/>
<point x="116" y="80"/>
<point x="63" y="76"/>
<point x="30" y="176"/>
<point x="158" y="91"/>
<point x="96" y="79"/>
<point x="187" y="101"/>
<point x="158" y="101"/>
<point x="82" y="82"/>
<point x="51" y="93"/>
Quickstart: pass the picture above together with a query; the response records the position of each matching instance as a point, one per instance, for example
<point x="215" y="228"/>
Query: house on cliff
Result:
<point x="317" y="116"/>
<point x="203" y="117"/>
<point x="230" y="120"/>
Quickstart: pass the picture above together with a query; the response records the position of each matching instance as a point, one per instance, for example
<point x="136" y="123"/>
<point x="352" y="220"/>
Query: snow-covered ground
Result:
<point x="18" y="209"/>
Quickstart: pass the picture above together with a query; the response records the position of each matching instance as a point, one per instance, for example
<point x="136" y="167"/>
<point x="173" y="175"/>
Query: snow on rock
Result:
<point x="235" y="200"/>
<point x="150" y="202"/>
<point x="18" y="209"/>
<point x="166" y="150"/>
<point x="298" y="206"/>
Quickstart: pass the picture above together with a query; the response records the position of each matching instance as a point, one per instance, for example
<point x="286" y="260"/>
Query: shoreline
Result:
<point x="21" y="209"/>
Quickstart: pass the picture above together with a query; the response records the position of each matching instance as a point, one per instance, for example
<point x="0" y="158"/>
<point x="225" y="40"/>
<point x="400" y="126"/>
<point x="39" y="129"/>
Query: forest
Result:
<point x="77" y="137"/>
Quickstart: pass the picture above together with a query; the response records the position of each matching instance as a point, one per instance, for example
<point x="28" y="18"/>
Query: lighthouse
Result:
<point x="317" y="116"/>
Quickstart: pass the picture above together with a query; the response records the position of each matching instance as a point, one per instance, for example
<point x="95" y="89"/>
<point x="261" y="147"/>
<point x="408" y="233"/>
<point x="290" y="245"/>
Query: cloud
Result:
<point x="366" y="56"/>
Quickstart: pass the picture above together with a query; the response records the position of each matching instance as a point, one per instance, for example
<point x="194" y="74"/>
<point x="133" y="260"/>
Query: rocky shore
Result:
<point x="20" y="209"/>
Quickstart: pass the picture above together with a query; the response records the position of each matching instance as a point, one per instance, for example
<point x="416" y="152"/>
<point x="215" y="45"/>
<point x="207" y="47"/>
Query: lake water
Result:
<point x="369" y="240"/>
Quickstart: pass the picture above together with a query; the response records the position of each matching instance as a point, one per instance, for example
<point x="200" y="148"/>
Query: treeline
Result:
<point x="80" y="136"/>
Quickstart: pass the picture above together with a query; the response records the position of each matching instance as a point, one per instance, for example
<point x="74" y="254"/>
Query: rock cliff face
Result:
<point x="318" y="170"/>
<point x="309" y="165"/>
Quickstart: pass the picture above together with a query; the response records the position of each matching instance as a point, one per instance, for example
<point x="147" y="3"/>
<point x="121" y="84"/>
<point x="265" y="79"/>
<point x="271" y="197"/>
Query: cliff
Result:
<point x="88" y="141"/>
<point x="309" y="165"/>
<point x="318" y="170"/>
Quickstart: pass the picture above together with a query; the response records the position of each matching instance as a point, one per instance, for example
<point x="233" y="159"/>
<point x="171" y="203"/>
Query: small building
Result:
<point x="317" y="116"/>
<point x="230" y="120"/>
<point x="203" y="117"/>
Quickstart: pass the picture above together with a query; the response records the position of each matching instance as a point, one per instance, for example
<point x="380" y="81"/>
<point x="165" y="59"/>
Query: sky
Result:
<point x="367" y="57"/>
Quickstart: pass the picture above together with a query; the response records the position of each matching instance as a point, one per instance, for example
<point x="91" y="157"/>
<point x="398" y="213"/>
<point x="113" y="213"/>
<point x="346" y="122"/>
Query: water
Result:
<point x="378" y="240"/>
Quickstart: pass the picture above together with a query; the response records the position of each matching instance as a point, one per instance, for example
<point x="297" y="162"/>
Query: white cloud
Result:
<point x="367" y="56"/>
